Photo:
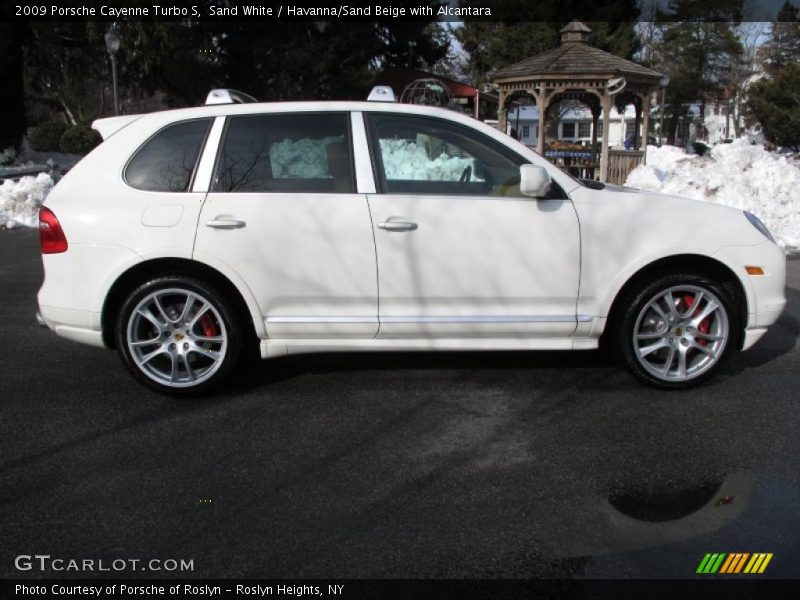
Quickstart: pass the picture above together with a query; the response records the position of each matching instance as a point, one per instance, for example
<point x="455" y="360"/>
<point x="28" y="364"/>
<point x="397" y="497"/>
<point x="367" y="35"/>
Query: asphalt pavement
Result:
<point x="514" y="465"/>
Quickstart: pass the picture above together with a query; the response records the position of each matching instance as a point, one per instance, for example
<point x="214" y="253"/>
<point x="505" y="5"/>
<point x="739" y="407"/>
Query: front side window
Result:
<point x="584" y="130"/>
<point x="300" y="152"/>
<point x="166" y="162"/>
<point x="422" y="155"/>
<point x="568" y="130"/>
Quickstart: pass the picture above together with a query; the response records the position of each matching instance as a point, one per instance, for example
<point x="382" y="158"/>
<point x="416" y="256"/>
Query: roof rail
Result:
<point x="381" y="93"/>
<point x="225" y="96"/>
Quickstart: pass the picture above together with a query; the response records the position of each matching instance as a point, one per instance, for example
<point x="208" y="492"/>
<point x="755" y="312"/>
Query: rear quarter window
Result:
<point x="167" y="161"/>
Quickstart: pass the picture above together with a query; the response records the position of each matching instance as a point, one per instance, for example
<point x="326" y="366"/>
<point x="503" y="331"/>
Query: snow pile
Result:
<point x="409" y="161"/>
<point x="20" y="201"/>
<point x="716" y="126"/>
<point x="740" y="175"/>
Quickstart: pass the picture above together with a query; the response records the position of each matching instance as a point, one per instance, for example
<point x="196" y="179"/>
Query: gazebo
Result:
<point x="580" y="72"/>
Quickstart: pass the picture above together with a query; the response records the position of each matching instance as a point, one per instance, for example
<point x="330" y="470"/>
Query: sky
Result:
<point x="755" y="10"/>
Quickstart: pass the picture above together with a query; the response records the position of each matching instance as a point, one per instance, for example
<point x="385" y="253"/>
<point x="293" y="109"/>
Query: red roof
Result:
<point x="398" y="79"/>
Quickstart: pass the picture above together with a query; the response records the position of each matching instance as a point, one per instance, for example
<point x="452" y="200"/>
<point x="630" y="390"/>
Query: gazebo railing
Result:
<point x="621" y="163"/>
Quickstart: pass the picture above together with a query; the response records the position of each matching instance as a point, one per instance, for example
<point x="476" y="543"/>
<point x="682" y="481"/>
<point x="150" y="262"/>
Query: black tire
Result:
<point x="690" y="350"/>
<point x="184" y="347"/>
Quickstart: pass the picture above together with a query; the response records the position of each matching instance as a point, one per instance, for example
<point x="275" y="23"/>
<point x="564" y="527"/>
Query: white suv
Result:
<point x="191" y="237"/>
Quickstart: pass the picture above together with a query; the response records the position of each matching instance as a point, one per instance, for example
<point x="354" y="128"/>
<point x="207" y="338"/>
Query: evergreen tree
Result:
<point x="783" y="48"/>
<point x="12" y="96"/>
<point x="775" y="104"/>
<point x="68" y="77"/>
<point x="699" y="51"/>
<point x="525" y="28"/>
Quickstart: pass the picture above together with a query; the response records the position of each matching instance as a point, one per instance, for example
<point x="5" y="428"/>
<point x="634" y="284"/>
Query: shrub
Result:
<point x="78" y="139"/>
<point x="46" y="137"/>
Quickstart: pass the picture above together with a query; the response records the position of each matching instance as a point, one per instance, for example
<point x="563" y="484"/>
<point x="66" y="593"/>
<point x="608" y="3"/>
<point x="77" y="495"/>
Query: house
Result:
<point x="575" y="125"/>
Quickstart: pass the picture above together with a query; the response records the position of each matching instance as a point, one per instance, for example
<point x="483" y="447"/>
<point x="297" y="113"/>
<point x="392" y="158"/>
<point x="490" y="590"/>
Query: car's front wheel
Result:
<point x="678" y="330"/>
<point x="179" y="336"/>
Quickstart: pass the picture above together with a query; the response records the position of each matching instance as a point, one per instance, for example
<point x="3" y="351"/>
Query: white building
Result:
<point x="575" y="125"/>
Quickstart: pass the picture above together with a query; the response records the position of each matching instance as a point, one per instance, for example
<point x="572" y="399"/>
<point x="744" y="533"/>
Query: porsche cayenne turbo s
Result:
<point x="191" y="238"/>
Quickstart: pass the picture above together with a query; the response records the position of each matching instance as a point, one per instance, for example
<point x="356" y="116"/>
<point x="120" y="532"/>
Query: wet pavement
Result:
<point x="402" y="465"/>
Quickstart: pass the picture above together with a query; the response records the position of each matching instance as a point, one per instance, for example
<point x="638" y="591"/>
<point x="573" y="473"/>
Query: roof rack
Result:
<point x="381" y="93"/>
<point x="226" y="96"/>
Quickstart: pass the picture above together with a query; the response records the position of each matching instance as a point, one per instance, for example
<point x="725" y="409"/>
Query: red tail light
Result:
<point x="51" y="235"/>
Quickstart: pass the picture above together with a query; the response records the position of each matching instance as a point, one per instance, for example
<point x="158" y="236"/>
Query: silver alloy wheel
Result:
<point x="681" y="333"/>
<point x="177" y="337"/>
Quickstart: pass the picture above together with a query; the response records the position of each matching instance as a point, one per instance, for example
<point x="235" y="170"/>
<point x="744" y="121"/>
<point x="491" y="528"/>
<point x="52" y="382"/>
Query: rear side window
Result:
<point x="286" y="153"/>
<point x="167" y="161"/>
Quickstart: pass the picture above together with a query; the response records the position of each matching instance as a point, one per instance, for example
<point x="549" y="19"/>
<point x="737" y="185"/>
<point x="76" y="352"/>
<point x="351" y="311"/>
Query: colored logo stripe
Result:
<point x="711" y="563"/>
<point x="758" y="563"/>
<point x="734" y="563"/>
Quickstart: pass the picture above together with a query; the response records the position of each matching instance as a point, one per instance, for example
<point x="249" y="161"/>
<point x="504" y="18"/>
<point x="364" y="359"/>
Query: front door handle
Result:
<point x="397" y="225"/>
<point x="225" y="224"/>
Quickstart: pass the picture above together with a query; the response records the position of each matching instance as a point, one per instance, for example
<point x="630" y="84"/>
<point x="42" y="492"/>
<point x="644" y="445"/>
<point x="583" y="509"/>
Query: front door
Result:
<point x="461" y="253"/>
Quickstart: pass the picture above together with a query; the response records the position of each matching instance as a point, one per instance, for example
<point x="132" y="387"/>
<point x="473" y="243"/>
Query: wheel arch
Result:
<point x="143" y="271"/>
<point x="698" y="264"/>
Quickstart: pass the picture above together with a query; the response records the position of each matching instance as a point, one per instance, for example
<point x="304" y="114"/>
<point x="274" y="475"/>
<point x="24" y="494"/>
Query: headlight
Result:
<point x="756" y="222"/>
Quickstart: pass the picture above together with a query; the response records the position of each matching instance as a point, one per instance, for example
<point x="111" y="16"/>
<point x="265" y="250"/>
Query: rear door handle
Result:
<point x="225" y="224"/>
<point x="397" y="225"/>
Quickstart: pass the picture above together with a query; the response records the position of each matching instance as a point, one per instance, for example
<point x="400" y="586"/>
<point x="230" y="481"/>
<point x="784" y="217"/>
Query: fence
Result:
<point x="622" y="162"/>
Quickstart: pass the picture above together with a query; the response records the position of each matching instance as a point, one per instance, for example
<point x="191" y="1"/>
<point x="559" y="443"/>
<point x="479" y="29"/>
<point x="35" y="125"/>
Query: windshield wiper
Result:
<point x="595" y="185"/>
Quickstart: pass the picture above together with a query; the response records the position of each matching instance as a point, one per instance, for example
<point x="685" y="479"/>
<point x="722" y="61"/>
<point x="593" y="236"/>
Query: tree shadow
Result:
<point x="286" y="368"/>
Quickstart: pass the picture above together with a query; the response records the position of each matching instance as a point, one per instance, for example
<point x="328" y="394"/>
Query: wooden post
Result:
<point x="606" y="102"/>
<point x="645" y="125"/>
<point x="637" y="122"/>
<point x="542" y="100"/>
<point x="595" y="121"/>
<point x="502" y="115"/>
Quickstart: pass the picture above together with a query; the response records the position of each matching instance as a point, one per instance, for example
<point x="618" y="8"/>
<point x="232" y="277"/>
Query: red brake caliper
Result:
<point x="704" y="325"/>
<point x="207" y="325"/>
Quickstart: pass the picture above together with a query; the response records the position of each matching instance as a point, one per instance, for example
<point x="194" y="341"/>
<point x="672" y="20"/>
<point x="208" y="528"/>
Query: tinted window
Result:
<point x="419" y="155"/>
<point x="167" y="161"/>
<point x="286" y="153"/>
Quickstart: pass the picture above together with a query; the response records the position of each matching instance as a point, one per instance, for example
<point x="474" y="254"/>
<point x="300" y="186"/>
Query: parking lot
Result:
<point x="395" y="465"/>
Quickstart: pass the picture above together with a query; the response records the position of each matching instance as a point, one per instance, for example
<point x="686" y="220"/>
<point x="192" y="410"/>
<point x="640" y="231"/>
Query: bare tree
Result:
<point x="744" y="70"/>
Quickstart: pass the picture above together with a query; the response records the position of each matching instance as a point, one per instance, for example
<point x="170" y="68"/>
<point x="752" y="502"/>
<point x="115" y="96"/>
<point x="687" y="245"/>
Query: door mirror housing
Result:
<point x="534" y="181"/>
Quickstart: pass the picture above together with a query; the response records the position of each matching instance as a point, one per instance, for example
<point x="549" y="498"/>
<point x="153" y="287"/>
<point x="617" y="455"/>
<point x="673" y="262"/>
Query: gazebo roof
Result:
<point x="575" y="57"/>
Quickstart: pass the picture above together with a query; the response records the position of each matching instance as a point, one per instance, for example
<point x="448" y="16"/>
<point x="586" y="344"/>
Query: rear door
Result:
<point x="283" y="213"/>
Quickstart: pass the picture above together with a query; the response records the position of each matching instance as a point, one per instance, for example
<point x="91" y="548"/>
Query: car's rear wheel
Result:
<point x="678" y="330"/>
<point x="179" y="336"/>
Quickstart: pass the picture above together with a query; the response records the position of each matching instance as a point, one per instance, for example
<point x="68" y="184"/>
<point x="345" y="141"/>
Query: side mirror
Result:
<point x="534" y="181"/>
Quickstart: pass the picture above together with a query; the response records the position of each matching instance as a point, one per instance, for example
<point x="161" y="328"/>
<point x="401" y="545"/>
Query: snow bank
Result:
<point x="740" y="175"/>
<point x="20" y="201"/>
